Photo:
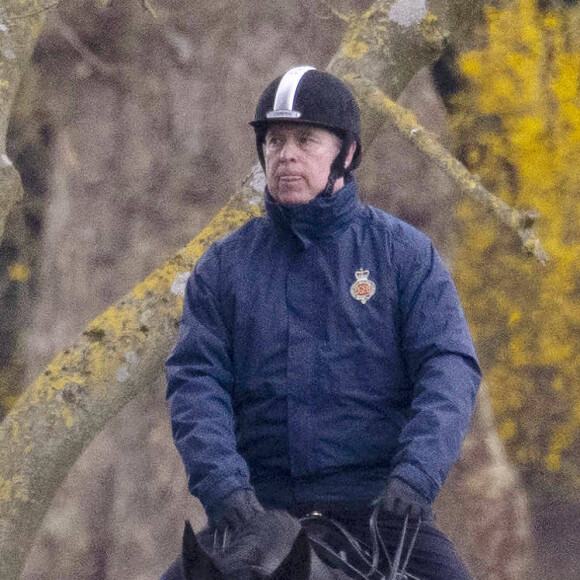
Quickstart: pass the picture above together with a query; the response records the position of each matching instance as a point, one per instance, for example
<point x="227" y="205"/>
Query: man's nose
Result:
<point x="289" y="150"/>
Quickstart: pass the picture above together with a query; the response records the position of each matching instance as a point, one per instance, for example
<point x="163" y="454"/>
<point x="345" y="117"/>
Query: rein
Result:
<point x="367" y="564"/>
<point x="339" y="560"/>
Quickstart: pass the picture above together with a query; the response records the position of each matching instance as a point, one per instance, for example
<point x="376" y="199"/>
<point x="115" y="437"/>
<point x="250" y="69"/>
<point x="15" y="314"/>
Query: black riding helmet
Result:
<point x="306" y="95"/>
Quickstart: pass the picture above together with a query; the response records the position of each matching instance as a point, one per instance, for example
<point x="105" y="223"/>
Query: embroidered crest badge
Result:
<point x="362" y="289"/>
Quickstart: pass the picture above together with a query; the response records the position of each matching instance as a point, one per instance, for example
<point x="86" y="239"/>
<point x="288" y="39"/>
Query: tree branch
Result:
<point x="521" y="222"/>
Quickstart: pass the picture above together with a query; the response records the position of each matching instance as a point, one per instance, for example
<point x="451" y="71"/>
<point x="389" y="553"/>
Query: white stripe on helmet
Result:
<point x="284" y="99"/>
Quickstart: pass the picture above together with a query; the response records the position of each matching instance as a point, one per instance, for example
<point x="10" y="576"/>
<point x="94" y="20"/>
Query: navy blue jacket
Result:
<point x="284" y="380"/>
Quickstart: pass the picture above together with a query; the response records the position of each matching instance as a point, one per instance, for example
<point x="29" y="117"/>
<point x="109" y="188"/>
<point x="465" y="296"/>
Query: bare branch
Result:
<point x="521" y="222"/>
<point x="149" y="7"/>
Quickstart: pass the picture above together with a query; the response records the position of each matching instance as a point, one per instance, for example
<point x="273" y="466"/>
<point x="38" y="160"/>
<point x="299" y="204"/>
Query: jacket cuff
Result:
<point x="416" y="478"/>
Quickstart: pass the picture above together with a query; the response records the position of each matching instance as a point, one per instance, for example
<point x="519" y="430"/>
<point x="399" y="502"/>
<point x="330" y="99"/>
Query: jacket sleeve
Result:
<point x="200" y="382"/>
<point x="443" y="368"/>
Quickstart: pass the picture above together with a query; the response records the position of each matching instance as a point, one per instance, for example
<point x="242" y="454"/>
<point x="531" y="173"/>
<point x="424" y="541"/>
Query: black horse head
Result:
<point x="273" y="546"/>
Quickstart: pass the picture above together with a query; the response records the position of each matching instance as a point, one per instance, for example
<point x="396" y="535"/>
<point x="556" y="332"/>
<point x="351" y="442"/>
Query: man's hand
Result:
<point x="401" y="499"/>
<point x="234" y="510"/>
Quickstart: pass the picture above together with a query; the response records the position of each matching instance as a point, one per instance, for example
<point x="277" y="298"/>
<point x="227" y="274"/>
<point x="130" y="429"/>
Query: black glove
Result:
<point x="401" y="499"/>
<point x="234" y="510"/>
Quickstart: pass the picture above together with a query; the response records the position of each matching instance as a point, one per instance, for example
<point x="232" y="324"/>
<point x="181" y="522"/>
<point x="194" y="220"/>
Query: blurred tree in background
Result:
<point x="518" y="128"/>
<point x="516" y="124"/>
<point x="130" y="131"/>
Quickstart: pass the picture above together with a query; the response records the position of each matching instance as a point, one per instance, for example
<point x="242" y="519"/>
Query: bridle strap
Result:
<point x="396" y="573"/>
<point x="326" y="553"/>
<point x="338" y="560"/>
<point x="370" y="562"/>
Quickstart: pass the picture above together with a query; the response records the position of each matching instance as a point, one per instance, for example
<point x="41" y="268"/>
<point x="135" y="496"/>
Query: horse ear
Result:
<point x="197" y="565"/>
<point x="296" y="565"/>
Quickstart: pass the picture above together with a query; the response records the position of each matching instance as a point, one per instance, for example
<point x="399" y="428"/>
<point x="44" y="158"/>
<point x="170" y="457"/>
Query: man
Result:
<point x="324" y="362"/>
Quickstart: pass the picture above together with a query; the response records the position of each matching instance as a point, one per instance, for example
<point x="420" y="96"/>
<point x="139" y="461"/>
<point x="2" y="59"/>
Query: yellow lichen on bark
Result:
<point x="430" y="29"/>
<point x="355" y="44"/>
<point x="355" y="49"/>
<point x="375" y="48"/>
<point x="13" y="490"/>
<point x="18" y="272"/>
<point x="126" y="326"/>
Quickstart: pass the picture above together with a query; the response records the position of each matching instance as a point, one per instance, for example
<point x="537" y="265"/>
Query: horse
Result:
<point x="273" y="545"/>
<point x="277" y="546"/>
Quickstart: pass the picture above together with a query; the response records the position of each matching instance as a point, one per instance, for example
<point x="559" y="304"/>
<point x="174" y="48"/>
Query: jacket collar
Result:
<point x="318" y="219"/>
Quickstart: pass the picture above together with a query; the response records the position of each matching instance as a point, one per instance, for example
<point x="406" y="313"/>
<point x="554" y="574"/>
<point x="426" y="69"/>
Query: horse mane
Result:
<point x="263" y="543"/>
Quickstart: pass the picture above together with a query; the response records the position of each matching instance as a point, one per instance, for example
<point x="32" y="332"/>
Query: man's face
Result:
<point x="298" y="159"/>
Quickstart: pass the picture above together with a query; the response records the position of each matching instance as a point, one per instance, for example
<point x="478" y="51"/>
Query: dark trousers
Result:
<point x="433" y="556"/>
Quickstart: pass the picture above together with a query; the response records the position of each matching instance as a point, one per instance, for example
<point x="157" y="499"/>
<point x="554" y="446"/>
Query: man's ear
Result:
<point x="350" y="154"/>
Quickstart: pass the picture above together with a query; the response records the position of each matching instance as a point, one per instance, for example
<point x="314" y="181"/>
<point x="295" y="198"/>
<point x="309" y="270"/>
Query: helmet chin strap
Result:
<point x="337" y="169"/>
<point x="329" y="189"/>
